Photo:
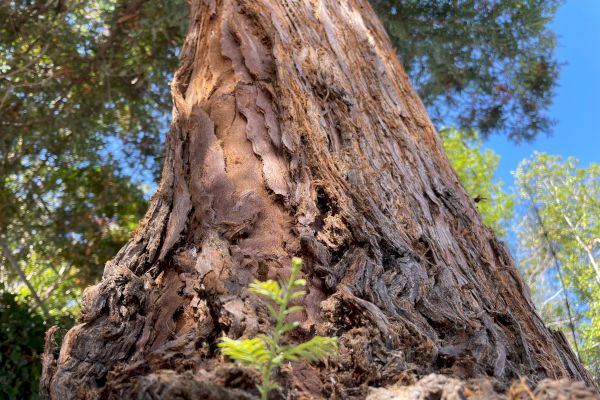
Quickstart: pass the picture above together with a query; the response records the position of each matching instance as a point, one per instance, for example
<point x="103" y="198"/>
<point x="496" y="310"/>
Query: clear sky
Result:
<point x="576" y="105"/>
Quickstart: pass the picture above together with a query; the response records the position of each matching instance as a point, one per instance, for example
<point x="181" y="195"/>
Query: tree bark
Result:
<point x="296" y="133"/>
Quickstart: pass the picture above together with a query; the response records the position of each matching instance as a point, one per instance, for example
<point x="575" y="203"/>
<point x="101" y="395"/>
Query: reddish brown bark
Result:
<point x="296" y="133"/>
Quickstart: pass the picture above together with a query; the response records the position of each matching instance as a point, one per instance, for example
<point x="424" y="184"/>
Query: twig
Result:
<point x="11" y="259"/>
<point x="558" y="269"/>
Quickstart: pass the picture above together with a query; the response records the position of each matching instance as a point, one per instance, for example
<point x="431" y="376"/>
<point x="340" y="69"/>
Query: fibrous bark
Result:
<point x="296" y="133"/>
<point x="441" y="387"/>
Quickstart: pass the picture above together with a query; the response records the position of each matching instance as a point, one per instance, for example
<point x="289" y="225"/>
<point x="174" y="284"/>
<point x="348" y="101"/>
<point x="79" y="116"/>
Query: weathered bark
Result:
<point x="296" y="133"/>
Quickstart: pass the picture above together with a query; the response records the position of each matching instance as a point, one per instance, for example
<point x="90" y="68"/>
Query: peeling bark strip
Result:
<point x="296" y="132"/>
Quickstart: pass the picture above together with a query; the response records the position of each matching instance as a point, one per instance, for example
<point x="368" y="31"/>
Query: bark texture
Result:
<point x="441" y="387"/>
<point x="296" y="133"/>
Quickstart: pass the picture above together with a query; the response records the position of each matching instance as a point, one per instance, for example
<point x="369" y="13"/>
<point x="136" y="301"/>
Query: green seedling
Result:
<point x="266" y="352"/>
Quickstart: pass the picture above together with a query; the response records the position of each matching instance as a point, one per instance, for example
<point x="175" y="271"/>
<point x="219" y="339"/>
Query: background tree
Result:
<point x="82" y="103"/>
<point x="559" y="245"/>
<point x="19" y="352"/>
<point x="487" y="65"/>
<point x="475" y="167"/>
<point x="555" y="228"/>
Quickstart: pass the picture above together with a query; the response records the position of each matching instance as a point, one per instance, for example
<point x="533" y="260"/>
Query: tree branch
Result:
<point x="13" y="262"/>
<point x="538" y="216"/>
<point x="585" y="248"/>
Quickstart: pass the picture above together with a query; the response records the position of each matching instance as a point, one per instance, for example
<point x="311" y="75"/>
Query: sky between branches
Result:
<point x="576" y="105"/>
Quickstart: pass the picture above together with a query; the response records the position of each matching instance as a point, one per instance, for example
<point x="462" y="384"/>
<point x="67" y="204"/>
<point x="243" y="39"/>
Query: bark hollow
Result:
<point x="296" y="133"/>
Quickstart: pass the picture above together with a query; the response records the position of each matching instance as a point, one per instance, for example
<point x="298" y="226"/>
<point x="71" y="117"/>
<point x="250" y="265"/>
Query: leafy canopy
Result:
<point x="488" y="65"/>
<point x="559" y="208"/>
<point x="83" y="94"/>
<point x="475" y="168"/>
<point x="19" y="353"/>
<point x="554" y="218"/>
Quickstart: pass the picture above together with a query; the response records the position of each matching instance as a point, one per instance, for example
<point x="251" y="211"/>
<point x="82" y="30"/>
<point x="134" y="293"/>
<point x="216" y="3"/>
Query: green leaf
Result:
<point x="297" y="294"/>
<point x="272" y="310"/>
<point x="265" y="352"/>
<point x="293" y="309"/>
<point x="300" y="283"/>
<point x="296" y="263"/>
<point x="269" y="289"/>
<point x="247" y="351"/>
<point x="289" y="326"/>
<point x="315" y="349"/>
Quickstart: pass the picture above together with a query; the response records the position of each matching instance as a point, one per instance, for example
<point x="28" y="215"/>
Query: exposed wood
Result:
<point x="296" y="133"/>
<point x="48" y="362"/>
<point x="445" y="388"/>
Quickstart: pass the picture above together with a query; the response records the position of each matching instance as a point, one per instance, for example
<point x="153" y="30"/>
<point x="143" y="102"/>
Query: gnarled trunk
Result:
<point x="296" y="133"/>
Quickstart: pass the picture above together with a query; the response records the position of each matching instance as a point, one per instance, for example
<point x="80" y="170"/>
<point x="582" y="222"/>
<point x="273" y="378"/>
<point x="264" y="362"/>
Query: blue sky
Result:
<point x="576" y="105"/>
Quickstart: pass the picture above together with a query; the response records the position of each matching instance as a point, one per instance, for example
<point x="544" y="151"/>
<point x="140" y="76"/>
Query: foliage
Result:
<point x="84" y="100"/>
<point x="83" y="94"/>
<point x="19" y="352"/>
<point x="265" y="352"/>
<point x="483" y="64"/>
<point x="79" y="77"/>
<point x="475" y="168"/>
<point x="559" y="240"/>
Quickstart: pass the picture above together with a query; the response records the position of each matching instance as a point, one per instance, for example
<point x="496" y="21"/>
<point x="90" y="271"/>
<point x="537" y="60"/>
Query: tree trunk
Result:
<point x="296" y="133"/>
